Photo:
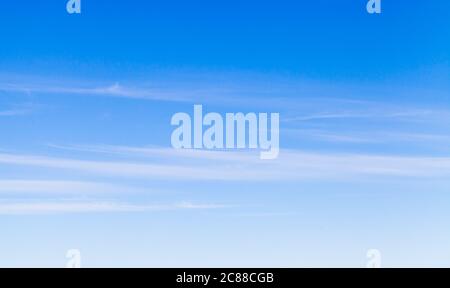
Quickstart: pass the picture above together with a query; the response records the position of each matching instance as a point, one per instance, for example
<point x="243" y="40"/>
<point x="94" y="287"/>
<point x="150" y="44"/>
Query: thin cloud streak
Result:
<point x="61" y="187"/>
<point x="33" y="208"/>
<point x="169" y="94"/>
<point x="337" y="101"/>
<point x="365" y="137"/>
<point x="121" y="169"/>
<point x="400" y="114"/>
<point x="17" y="112"/>
<point x="159" y="152"/>
<point x="291" y="166"/>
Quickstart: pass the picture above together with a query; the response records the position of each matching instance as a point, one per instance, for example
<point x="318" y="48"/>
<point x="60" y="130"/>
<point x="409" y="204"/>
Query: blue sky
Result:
<point x="86" y="160"/>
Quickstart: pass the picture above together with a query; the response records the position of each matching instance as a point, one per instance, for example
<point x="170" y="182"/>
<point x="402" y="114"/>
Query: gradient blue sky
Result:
<point x="85" y="154"/>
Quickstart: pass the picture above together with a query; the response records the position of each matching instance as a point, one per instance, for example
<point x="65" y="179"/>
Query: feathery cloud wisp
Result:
<point x="240" y="166"/>
<point x="19" y="208"/>
<point x="61" y="187"/>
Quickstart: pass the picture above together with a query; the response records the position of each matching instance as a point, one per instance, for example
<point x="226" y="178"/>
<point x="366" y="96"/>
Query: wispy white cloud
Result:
<point x="400" y="113"/>
<point x="42" y="207"/>
<point x="241" y="166"/>
<point x="193" y="206"/>
<point x="299" y="101"/>
<point x="114" y="90"/>
<point x="19" y="110"/>
<point x="16" y="112"/>
<point x="57" y="207"/>
<point x="159" y="152"/>
<point x="368" y="137"/>
<point x="328" y="136"/>
<point x="133" y="169"/>
<point x="335" y="100"/>
<point x="236" y="93"/>
<point x="117" y="90"/>
<point x="28" y="186"/>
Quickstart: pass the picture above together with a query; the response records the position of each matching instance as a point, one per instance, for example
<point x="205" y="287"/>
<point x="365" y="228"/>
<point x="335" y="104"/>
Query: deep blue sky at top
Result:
<point x="320" y="38"/>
